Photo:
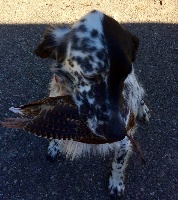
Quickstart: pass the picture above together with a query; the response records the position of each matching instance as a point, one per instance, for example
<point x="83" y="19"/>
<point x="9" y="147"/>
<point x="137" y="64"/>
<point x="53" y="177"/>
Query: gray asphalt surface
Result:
<point x="25" y="173"/>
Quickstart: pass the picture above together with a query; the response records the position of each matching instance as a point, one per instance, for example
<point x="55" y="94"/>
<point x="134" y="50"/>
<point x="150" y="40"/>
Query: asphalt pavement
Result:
<point x="25" y="173"/>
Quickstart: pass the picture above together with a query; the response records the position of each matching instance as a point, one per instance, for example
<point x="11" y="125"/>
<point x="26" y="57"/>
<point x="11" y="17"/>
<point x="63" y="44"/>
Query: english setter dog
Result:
<point x="94" y="64"/>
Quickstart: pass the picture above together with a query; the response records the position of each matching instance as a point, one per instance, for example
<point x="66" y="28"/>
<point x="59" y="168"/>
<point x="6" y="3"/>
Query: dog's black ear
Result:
<point x="47" y="45"/>
<point x="135" y="41"/>
<point x="119" y="44"/>
<point x="53" y="43"/>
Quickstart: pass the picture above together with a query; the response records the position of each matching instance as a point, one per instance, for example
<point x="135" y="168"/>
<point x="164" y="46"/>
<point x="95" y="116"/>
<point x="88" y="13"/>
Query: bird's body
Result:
<point x="58" y="118"/>
<point x="54" y="118"/>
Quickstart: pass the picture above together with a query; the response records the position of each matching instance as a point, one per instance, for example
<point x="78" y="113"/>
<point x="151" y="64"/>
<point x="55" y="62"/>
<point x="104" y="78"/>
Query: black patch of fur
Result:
<point x="99" y="65"/>
<point x="91" y="94"/>
<point x="92" y="49"/>
<point x="60" y="52"/>
<point x="82" y="28"/>
<point x="120" y="50"/>
<point x="82" y="83"/>
<point x="101" y="54"/>
<point x="86" y="65"/>
<point x="47" y="45"/>
<point x="76" y="74"/>
<point x="102" y="38"/>
<point x="75" y="41"/>
<point x="94" y="11"/>
<point x="121" y="158"/>
<point x="79" y="60"/>
<point x="82" y="20"/>
<point x="119" y="44"/>
<point x="94" y="33"/>
<point x="70" y="63"/>
<point x="78" y="97"/>
<point x="90" y="57"/>
<point x="50" y="48"/>
<point x="85" y="44"/>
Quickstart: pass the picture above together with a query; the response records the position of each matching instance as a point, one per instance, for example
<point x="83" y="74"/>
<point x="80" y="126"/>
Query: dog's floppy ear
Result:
<point x="47" y="45"/>
<point x="53" y="43"/>
<point x="120" y="45"/>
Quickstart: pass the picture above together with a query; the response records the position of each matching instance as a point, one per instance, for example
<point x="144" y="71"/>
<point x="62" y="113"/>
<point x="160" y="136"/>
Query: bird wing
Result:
<point x="54" y="118"/>
<point x="34" y="108"/>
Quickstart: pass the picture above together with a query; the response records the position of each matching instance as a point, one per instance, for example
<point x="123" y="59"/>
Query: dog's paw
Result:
<point x="54" y="149"/>
<point x="143" y="112"/>
<point x="116" y="188"/>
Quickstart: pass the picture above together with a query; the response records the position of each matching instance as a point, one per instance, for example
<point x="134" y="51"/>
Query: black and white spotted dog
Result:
<point x="95" y="65"/>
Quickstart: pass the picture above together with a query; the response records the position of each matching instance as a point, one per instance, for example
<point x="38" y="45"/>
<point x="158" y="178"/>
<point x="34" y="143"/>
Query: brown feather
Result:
<point x="57" y="118"/>
<point x="34" y="108"/>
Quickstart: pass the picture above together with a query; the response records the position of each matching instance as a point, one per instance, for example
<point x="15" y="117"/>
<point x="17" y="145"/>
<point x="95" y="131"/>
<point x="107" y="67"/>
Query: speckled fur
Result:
<point x="95" y="65"/>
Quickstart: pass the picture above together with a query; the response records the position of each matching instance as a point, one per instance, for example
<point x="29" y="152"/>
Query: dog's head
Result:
<point x="95" y="55"/>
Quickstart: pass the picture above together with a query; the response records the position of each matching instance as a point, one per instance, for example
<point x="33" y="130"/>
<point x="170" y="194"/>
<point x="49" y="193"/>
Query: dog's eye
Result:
<point x="94" y="77"/>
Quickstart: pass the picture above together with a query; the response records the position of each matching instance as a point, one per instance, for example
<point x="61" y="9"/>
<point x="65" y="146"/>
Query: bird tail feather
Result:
<point x="18" y="123"/>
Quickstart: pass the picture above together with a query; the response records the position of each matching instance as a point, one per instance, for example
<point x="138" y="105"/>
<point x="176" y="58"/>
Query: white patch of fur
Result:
<point x="59" y="33"/>
<point x="78" y="53"/>
<point x="54" y="88"/>
<point x="74" y="150"/>
<point x="116" y="184"/>
<point x="77" y="102"/>
<point x="93" y="21"/>
<point x="143" y="113"/>
<point x="133" y="92"/>
<point x="82" y="34"/>
<point x="85" y="88"/>
<point x="90" y="100"/>
<point x="54" y="69"/>
<point x="93" y="41"/>
<point x="71" y="53"/>
<point x="92" y="123"/>
<point x="54" y="148"/>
